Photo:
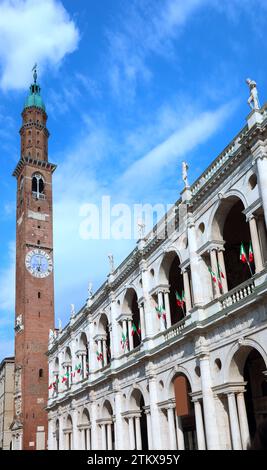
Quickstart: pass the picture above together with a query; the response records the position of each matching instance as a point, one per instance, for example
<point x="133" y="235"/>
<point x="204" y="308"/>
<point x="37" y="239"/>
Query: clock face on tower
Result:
<point x="38" y="263"/>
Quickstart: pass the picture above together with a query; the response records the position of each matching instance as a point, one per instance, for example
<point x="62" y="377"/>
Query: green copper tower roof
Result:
<point x="34" y="98"/>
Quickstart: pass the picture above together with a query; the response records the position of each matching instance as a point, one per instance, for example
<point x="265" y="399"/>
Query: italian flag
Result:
<point x="243" y="255"/>
<point x="124" y="341"/>
<point x="78" y="368"/>
<point x="250" y="253"/>
<point x="220" y="271"/>
<point x="180" y="299"/>
<point x="65" y="377"/>
<point x="139" y="329"/>
<point x="134" y="329"/>
<point x="50" y="386"/>
<point x="213" y="276"/>
<point x="161" y="312"/>
<point x="99" y="356"/>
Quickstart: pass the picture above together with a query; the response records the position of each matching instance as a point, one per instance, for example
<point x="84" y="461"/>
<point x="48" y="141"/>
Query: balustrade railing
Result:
<point x="238" y="293"/>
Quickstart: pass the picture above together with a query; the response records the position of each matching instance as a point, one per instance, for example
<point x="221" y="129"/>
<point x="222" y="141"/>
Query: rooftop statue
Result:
<point x="253" y="100"/>
<point x="184" y="171"/>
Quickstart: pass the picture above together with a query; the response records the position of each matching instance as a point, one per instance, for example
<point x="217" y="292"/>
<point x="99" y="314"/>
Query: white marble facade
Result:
<point x="118" y="396"/>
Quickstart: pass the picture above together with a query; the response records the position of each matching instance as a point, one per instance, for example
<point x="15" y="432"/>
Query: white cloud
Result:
<point x="149" y="30"/>
<point x="33" y="31"/>
<point x="152" y="166"/>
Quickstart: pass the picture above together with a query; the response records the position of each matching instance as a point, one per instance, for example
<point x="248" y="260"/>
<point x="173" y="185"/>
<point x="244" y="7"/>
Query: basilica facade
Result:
<point x="171" y="351"/>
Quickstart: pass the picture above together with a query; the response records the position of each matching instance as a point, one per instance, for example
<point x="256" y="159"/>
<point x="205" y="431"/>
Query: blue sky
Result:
<point x="132" y="88"/>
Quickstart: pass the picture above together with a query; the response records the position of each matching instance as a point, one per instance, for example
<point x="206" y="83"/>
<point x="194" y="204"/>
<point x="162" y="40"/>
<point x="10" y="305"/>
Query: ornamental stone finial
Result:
<point x="253" y="100"/>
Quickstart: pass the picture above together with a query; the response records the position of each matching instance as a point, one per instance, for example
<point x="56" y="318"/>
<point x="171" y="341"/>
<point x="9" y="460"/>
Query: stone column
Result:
<point x="171" y="426"/>
<point x="255" y="244"/>
<point x="142" y="321"/>
<point x="214" y="267"/>
<point x="109" y="436"/>
<point x="167" y="308"/>
<point x="131" y="344"/>
<point x="124" y="329"/>
<point x="222" y="266"/>
<point x="180" y="433"/>
<point x="150" y="325"/>
<point x="199" y="275"/>
<point x="235" y="431"/>
<point x="103" y="437"/>
<point x="116" y="337"/>
<point x="138" y="433"/>
<point x="131" y="434"/>
<point x="88" y="437"/>
<point x="99" y="349"/>
<point x="149" y="431"/>
<point x="243" y="420"/>
<point x="154" y="411"/>
<point x="201" y="444"/>
<point x="105" y="352"/>
<point x="263" y="237"/>
<point x="187" y="293"/>
<point x="212" y="432"/>
<point x="161" y="304"/>
<point x="92" y="353"/>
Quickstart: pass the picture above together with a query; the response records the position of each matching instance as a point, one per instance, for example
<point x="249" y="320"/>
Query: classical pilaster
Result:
<point x="198" y="269"/>
<point x="114" y="327"/>
<point x="150" y="328"/>
<point x="259" y="153"/>
<point x="103" y="437"/>
<point x="51" y="438"/>
<point x="154" y="411"/>
<point x="94" y="427"/>
<point x="262" y="236"/>
<point x="119" y="424"/>
<point x="61" y="433"/>
<point x="211" y="428"/>
<point x="75" y="435"/>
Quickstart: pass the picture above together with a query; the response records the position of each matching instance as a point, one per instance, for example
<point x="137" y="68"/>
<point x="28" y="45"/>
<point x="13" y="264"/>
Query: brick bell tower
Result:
<point x="34" y="311"/>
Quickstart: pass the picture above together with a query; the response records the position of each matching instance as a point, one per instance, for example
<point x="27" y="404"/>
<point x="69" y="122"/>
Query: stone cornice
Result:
<point x="34" y="162"/>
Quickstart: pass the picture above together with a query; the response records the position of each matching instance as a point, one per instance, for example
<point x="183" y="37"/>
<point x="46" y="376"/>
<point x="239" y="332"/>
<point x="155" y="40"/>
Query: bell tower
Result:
<point x="34" y="309"/>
